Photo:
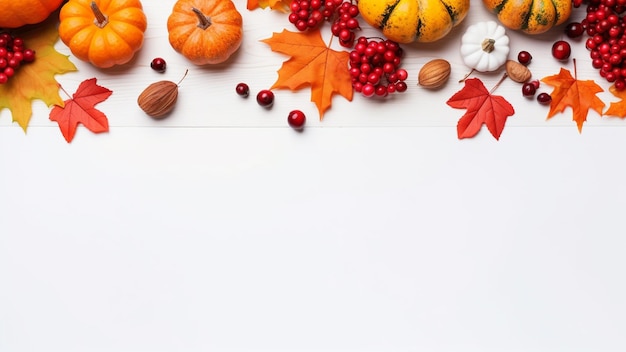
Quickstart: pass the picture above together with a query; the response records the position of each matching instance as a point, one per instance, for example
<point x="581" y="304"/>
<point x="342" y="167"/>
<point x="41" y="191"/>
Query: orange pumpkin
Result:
<point x="103" y="32"/>
<point x="205" y="31"/>
<point x="17" y="13"/>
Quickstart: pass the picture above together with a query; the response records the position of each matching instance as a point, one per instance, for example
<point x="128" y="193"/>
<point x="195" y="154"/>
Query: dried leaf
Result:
<point x="36" y="80"/>
<point x="280" y="5"/>
<point x="80" y="109"/>
<point x="617" y="108"/>
<point x="314" y="64"/>
<point x="577" y="94"/>
<point x="482" y="108"/>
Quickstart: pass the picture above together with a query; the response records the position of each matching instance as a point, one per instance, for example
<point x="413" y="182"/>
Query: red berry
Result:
<point x="19" y="56"/>
<point x="3" y="78"/>
<point x="242" y="89"/>
<point x="12" y="62"/>
<point x="574" y="29"/>
<point x="296" y="119"/>
<point x="528" y="89"/>
<point x="29" y="55"/>
<point x="401" y="86"/>
<point x="524" y="57"/>
<point x="402" y="74"/>
<point x="18" y="42"/>
<point x="544" y="98"/>
<point x="265" y="98"/>
<point x="9" y="71"/>
<point x="535" y="83"/>
<point x="368" y="90"/>
<point x="561" y="50"/>
<point x="158" y="64"/>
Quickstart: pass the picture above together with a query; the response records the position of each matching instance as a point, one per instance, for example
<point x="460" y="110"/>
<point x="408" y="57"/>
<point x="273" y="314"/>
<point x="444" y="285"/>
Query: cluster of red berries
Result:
<point x="346" y="24"/>
<point x="375" y="67"/>
<point x="606" y="29"/>
<point x="306" y="14"/>
<point x="13" y="54"/>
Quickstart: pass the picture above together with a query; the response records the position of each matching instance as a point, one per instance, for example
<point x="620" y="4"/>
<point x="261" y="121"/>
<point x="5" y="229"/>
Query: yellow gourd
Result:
<point x="406" y="21"/>
<point x="530" y="16"/>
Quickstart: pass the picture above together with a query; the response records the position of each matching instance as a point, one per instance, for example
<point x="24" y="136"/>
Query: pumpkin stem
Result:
<point x="101" y="19"/>
<point x="488" y="45"/>
<point x="204" y="21"/>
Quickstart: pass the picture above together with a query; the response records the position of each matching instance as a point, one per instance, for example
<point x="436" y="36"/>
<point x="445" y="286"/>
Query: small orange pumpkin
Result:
<point x="16" y="13"/>
<point x="205" y="31"/>
<point x="103" y="32"/>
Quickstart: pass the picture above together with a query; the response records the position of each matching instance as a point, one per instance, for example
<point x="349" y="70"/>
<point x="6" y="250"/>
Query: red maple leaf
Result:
<point x="80" y="109"/>
<point x="482" y="108"/>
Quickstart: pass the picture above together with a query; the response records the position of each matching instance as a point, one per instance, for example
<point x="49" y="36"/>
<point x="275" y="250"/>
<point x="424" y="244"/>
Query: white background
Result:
<point x="222" y="229"/>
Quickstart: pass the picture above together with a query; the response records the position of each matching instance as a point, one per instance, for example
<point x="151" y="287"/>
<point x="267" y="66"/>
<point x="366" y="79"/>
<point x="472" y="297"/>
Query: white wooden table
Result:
<point x="222" y="229"/>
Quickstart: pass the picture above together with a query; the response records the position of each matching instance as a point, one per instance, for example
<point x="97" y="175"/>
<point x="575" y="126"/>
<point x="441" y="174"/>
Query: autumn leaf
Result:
<point x="482" y="108"/>
<point x="80" y="109"/>
<point x="35" y="80"/>
<point x="280" y="5"/>
<point x="577" y="94"/>
<point x="313" y="64"/>
<point x="617" y="108"/>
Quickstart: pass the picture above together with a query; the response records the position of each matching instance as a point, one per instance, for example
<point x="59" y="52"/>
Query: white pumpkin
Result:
<point x="485" y="46"/>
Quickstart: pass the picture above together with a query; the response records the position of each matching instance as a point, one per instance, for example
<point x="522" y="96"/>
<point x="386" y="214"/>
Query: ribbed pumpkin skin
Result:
<point x="530" y="16"/>
<point x="212" y="45"/>
<point x="407" y="21"/>
<point x="114" y="44"/>
<point x="17" y="13"/>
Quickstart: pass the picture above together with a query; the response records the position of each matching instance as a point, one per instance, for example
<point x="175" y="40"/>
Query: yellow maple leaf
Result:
<point x="280" y="5"/>
<point x="617" y="108"/>
<point x="313" y="64"/>
<point x="36" y="80"/>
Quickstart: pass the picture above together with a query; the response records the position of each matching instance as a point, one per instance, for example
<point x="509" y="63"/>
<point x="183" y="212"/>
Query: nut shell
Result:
<point x="158" y="99"/>
<point x="434" y="74"/>
<point x="517" y="72"/>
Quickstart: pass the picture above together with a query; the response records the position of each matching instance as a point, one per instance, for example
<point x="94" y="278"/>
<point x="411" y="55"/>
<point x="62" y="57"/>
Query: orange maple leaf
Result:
<point x="617" y="108"/>
<point x="577" y="94"/>
<point x="80" y="109"/>
<point x="314" y="64"/>
<point x="280" y="5"/>
<point x="36" y="80"/>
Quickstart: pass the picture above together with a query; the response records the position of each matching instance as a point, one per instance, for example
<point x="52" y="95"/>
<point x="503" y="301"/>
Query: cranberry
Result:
<point x="561" y="50"/>
<point x="524" y="57"/>
<point x="296" y="119"/>
<point x="158" y="64"/>
<point x="544" y="98"/>
<point x="242" y="89"/>
<point x="574" y="30"/>
<point x="265" y="98"/>
<point x="528" y="89"/>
